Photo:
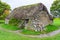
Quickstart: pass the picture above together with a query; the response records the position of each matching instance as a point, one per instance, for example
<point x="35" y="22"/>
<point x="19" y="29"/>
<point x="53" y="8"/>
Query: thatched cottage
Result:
<point x="35" y="16"/>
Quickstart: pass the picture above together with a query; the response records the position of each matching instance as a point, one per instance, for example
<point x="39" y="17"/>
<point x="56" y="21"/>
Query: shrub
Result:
<point x="14" y="22"/>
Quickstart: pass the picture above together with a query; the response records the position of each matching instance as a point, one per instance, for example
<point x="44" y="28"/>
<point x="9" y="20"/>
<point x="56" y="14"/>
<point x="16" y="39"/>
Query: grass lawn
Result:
<point x="9" y="27"/>
<point x="4" y="35"/>
<point x="56" y="21"/>
<point x="49" y="28"/>
<point x="12" y="36"/>
<point x="1" y="21"/>
<point x="29" y="32"/>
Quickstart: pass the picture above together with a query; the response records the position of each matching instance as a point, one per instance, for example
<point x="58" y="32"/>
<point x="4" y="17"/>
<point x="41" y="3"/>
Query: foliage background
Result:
<point x="55" y="8"/>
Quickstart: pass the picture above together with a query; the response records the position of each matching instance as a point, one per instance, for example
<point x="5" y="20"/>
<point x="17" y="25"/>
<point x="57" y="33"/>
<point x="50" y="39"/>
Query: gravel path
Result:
<point x="41" y="35"/>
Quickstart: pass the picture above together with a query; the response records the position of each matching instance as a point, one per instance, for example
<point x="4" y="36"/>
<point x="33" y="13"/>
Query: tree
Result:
<point x="55" y="8"/>
<point x="3" y="7"/>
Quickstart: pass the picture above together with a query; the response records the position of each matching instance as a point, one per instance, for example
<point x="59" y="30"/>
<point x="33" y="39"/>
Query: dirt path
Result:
<point x="41" y="35"/>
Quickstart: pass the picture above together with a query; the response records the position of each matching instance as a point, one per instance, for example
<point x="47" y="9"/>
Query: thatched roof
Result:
<point x="27" y="12"/>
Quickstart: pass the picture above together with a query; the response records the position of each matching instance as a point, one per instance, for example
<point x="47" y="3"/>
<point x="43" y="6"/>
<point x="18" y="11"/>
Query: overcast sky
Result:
<point x="17" y="3"/>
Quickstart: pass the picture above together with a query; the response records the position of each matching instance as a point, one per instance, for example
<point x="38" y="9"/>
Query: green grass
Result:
<point x="30" y="32"/>
<point x="56" y="21"/>
<point x="12" y="36"/>
<point x="1" y="21"/>
<point x="9" y="27"/>
<point x="50" y="28"/>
